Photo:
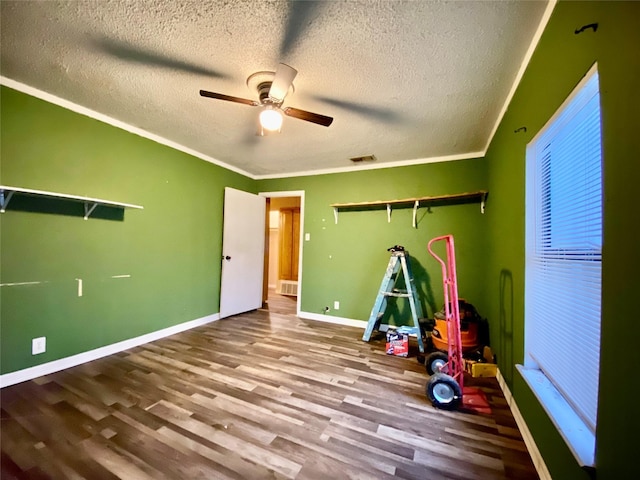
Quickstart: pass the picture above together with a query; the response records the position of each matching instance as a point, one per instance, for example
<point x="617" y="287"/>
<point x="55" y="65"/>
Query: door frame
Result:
<point x="289" y="193"/>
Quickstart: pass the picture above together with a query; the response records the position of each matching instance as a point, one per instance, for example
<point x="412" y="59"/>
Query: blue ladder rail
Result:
<point x="399" y="262"/>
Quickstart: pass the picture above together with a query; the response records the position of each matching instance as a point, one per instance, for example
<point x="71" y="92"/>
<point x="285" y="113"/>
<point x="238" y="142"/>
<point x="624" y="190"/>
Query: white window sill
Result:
<point x="574" y="431"/>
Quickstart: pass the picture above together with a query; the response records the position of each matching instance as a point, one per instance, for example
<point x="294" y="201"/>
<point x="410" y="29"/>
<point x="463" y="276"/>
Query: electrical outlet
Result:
<point x="38" y="345"/>
<point x="336" y="305"/>
<point x="307" y="237"/>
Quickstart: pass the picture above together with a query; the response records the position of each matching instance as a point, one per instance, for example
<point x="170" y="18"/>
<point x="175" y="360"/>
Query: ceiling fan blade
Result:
<point x="373" y="111"/>
<point x="299" y="17"/>
<point x="281" y="82"/>
<point x="134" y="54"/>
<point x="308" y="116"/>
<point x="220" y="96"/>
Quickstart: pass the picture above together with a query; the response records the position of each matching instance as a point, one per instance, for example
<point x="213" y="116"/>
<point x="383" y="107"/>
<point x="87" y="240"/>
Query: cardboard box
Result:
<point x="397" y="343"/>
<point x="480" y="369"/>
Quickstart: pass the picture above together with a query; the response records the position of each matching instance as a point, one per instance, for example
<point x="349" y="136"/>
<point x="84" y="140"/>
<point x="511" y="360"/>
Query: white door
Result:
<point x="242" y="252"/>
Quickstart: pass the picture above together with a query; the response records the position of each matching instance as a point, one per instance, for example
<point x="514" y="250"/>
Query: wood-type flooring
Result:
<point x="263" y="395"/>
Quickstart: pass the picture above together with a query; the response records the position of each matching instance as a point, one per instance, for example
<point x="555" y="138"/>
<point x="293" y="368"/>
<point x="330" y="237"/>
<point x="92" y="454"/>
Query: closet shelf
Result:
<point x="458" y="198"/>
<point x="6" y="193"/>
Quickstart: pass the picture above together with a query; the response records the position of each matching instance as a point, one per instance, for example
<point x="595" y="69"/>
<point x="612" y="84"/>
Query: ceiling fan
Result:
<point x="272" y="88"/>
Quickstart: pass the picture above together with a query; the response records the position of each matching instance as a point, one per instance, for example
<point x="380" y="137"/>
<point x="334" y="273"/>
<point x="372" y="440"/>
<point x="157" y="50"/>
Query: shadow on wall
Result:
<point x="63" y="207"/>
<point x="422" y="281"/>
<point x="506" y="325"/>
<point x="398" y="311"/>
<point x="394" y="315"/>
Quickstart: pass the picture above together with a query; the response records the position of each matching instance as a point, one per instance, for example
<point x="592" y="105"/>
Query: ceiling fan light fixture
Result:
<point x="271" y="118"/>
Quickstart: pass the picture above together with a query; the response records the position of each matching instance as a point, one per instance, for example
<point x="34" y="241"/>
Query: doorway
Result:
<point x="283" y="252"/>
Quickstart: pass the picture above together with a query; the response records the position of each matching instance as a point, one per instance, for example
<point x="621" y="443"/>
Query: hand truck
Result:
<point x="445" y="388"/>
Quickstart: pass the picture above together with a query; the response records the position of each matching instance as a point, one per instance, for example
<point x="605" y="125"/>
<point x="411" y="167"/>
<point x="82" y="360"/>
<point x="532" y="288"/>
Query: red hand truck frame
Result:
<point x="445" y="389"/>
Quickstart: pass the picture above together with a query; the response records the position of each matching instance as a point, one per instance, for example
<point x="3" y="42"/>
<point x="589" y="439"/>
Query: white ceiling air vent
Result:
<point x="365" y="158"/>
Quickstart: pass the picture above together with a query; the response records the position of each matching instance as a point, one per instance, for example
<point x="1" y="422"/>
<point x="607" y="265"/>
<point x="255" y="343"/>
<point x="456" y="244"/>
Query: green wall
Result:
<point x="560" y="61"/>
<point x="346" y="262"/>
<point x="171" y="249"/>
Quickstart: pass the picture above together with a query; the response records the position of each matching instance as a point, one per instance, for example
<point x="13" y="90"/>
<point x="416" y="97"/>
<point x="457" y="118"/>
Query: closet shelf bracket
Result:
<point x="89" y="208"/>
<point x="4" y="200"/>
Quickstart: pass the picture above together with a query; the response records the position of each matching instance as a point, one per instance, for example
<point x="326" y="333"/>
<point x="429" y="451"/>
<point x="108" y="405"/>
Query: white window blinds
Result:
<point x="564" y="250"/>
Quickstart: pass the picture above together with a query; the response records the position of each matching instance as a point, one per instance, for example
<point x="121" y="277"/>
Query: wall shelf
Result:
<point x="90" y="204"/>
<point x="416" y="202"/>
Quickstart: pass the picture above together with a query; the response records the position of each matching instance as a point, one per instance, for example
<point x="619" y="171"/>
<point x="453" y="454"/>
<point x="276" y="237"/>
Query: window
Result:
<point x="563" y="266"/>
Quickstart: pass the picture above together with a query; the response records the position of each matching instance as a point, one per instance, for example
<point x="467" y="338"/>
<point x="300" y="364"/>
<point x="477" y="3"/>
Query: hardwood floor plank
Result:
<point x="229" y="464"/>
<point x="111" y="461"/>
<point x="250" y="451"/>
<point x="368" y="439"/>
<point x="262" y="395"/>
<point x="180" y="445"/>
<point x="18" y="445"/>
<point x="10" y="469"/>
<point x="490" y="438"/>
<point x="335" y="460"/>
<point x="439" y="446"/>
<point x="456" y="470"/>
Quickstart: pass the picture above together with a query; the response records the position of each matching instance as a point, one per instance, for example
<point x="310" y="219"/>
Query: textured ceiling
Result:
<point x="406" y="81"/>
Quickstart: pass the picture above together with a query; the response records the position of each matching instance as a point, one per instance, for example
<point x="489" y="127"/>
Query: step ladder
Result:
<point x="399" y="262"/>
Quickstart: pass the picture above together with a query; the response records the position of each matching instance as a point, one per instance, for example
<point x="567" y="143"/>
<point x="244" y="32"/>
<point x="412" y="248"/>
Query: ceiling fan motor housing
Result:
<point x="263" y="92"/>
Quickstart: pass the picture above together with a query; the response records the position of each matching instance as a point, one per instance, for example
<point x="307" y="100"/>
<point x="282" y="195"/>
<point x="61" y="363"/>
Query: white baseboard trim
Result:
<point x="538" y="461"/>
<point x="55" y="366"/>
<point x="331" y="319"/>
<point x="350" y="322"/>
